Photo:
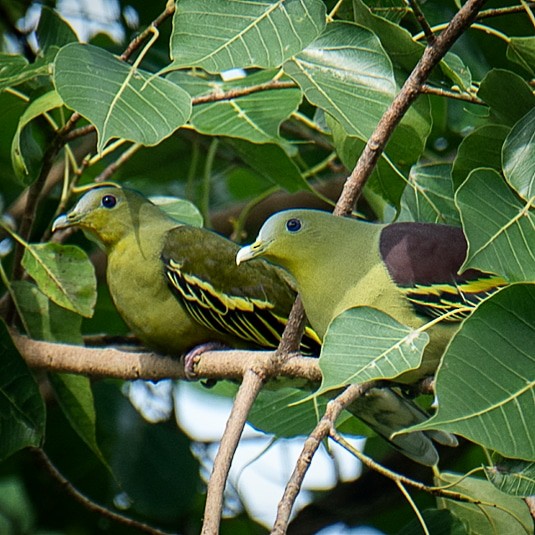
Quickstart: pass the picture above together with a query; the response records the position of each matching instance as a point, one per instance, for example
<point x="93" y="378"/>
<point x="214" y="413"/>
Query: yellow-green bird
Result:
<point x="407" y="270"/>
<point x="178" y="286"/>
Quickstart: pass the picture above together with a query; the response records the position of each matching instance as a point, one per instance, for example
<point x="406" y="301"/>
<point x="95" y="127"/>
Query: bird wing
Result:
<point x="424" y="260"/>
<point x="251" y="302"/>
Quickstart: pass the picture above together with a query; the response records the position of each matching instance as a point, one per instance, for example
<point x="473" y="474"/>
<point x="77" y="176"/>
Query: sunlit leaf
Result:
<point x="120" y="100"/>
<point x="364" y="344"/>
<point x="521" y="50"/>
<point x="485" y="384"/>
<point x="179" y="209"/>
<point x="500" y="229"/>
<point x="347" y="73"/>
<point x="518" y="157"/>
<point x="218" y="36"/>
<point x="64" y="274"/>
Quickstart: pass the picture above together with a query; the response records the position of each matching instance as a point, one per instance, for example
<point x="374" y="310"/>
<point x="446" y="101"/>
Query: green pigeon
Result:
<point x="177" y="286"/>
<point x="407" y="270"/>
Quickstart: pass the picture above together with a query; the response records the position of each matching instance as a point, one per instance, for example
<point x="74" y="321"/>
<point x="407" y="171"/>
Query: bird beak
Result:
<point x="250" y="251"/>
<point x="64" y="221"/>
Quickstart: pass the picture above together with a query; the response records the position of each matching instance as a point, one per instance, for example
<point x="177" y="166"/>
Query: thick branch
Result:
<point x="131" y="365"/>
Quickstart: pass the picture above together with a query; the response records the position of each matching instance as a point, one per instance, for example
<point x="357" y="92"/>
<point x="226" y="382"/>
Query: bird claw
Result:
<point x="191" y="358"/>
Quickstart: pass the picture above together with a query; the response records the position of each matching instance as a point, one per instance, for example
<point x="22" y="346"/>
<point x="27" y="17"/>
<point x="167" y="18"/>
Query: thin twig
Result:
<point x="253" y="381"/>
<point x="140" y="38"/>
<point x="218" y="96"/>
<point x="401" y="103"/>
<point x="499" y="11"/>
<point x="123" y="158"/>
<point x="89" y="504"/>
<point x="439" y="92"/>
<point x="311" y="445"/>
<point x="422" y="21"/>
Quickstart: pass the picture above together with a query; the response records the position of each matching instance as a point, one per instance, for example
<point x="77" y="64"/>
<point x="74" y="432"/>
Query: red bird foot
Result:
<point x="193" y="355"/>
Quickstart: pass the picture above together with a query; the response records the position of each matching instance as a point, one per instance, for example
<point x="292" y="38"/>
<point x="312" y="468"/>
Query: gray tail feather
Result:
<point x="387" y="412"/>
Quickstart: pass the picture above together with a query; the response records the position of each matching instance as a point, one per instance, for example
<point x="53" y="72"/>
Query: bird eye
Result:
<point x="293" y="225"/>
<point x="108" y="201"/>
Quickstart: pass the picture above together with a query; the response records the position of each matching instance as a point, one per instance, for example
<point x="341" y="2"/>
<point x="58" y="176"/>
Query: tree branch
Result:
<point x="432" y="55"/>
<point x="132" y="365"/>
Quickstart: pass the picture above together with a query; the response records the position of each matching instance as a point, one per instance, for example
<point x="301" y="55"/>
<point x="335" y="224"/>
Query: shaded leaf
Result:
<point x="272" y="163"/>
<point x="521" y="50"/>
<point x="480" y="148"/>
<point x="53" y="30"/>
<point x="512" y="476"/>
<point x="43" y="318"/>
<point x="120" y="100"/>
<point x="518" y="160"/>
<point x="499" y="512"/>
<point x="255" y="117"/>
<point x="24" y="148"/>
<point x="22" y="411"/>
<point x="438" y="522"/>
<point x="486" y="382"/>
<point x="347" y="73"/>
<point x="364" y="344"/>
<point x="75" y="398"/>
<point x="496" y="90"/>
<point x="500" y="229"/>
<point x="218" y="36"/>
<point x="428" y="196"/>
<point x="64" y="274"/>
<point x="15" y="70"/>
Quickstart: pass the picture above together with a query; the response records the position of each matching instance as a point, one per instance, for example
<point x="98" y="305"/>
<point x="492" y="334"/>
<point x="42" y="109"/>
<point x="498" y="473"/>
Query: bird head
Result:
<point x="104" y="213"/>
<point x="286" y="237"/>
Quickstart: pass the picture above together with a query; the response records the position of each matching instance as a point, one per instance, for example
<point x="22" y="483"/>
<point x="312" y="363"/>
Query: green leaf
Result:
<point x="22" y="410"/>
<point x="255" y="117"/>
<point x="120" y="100"/>
<point x="428" y="196"/>
<point x="283" y="413"/>
<point x="75" y="398"/>
<point x="43" y="318"/>
<point x="272" y="163"/>
<point x="15" y="70"/>
<point x="480" y="148"/>
<point x="485" y="384"/>
<point x="53" y="30"/>
<point x="218" y="36"/>
<point x="404" y="50"/>
<point x="499" y="512"/>
<point x="364" y="344"/>
<point x="438" y="522"/>
<point x="496" y="90"/>
<point x="499" y="228"/>
<point x="347" y="73"/>
<point x="64" y="274"/>
<point x="518" y="160"/>
<point x="512" y="476"/>
<point x="521" y="50"/>
<point x="25" y="156"/>
<point x="179" y="209"/>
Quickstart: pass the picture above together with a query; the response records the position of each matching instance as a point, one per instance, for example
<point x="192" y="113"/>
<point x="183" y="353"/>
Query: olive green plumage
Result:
<point x="408" y="270"/>
<point x="178" y="286"/>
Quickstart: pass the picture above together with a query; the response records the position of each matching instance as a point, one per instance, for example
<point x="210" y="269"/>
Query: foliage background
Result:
<point x="288" y="136"/>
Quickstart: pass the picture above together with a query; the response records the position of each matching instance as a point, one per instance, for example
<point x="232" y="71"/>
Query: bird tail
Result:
<point x="386" y="412"/>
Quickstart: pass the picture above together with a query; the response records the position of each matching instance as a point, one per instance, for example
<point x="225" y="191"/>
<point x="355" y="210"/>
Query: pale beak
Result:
<point x="249" y="252"/>
<point x="60" y="222"/>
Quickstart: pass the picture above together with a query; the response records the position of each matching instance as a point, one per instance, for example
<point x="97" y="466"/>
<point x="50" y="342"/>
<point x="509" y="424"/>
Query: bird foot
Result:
<point x="193" y="355"/>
